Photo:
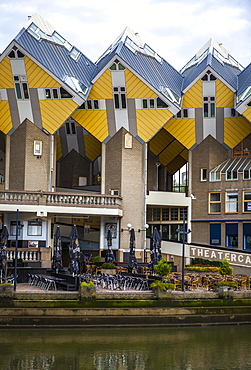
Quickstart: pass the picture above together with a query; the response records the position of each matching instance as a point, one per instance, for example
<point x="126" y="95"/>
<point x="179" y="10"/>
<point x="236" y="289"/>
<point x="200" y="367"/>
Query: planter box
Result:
<point x="162" y="294"/>
<point x="87" y="292"/>
<point x="108" y="271"/>
<point x="6" y="291"/>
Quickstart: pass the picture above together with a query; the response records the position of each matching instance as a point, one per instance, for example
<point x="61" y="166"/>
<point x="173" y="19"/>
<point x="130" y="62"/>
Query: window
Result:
<point x="203" y="174"/>
<point x="243" y="149"/>
<point x="232" y="235"/>
<point x="247" y="236"/>
<point x="156" y="103"/>
<point x="174" y="214"/>
<point x="247" y="201"/>
<point x="119" y="97"/>
<point x="183" y="113"/>
<point x="215" y="234"/>
<point x="114" y="192"/>
<point x="214" y="202"/>
<point x="90" y="104"/>
<point x="53" y="93"/>
<point x="117" y="66"/>
<point x="215" y="176"/>
<point x="231" y="202"/>
<point x="232" y="175"/>
<point x="13" y="227"/>
<point x="70" y="127"/>
<point x="16" y="54"/>
<point x="64" y="94"/>
<point x="35" y="228"/>
<point x="21" y="87"/>
<point x="209" y="107"/>
<point x="247" y="174"/>
<point x="208" y="77"/>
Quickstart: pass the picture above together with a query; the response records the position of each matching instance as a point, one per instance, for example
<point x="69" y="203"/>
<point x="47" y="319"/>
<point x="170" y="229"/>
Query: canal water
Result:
<point x="190" y="348"/>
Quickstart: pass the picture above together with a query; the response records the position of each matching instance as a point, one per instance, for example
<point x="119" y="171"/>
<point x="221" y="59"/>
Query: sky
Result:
<point x="176" y="29"/>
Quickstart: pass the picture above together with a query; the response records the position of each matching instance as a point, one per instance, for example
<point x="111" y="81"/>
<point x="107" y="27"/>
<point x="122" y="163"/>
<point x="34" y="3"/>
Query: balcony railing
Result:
<point x="60" y="199"/>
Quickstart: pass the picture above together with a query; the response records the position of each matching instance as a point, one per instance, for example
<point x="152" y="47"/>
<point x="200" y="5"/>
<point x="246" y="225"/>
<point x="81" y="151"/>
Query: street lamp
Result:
<point x="16" y="250"/>
<point x="183" y="232"/>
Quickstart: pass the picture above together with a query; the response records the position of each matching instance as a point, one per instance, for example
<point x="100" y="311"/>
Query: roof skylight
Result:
<point x="76" y="85"/>
<point x="143" y="50"/>
<point x="170" y="94"/>
<point x="38" y="34"/>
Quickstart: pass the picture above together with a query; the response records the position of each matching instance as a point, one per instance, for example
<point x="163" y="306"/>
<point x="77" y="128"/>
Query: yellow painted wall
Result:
<point x="224" y="96"/>
<point x="94" y="121"/>
<point x="5" y="117"/>
<point x="170" y="152"/>
<point x="135" y="88"/>
<point x="160" y="141"/>
<point x="183" y="130"/>
<point x="37" y="77"/>
<point x="6" y="79"/>
<point x="55" y="112"/>
<point x="150" y="121"/>
<point x="58" y="147"/>
<point x="193" y="97"/>
<point x="247" y="114"/>
<point x="102" y="88"/>
<point x="235" y="130"/>
<point x="92" y="147"/>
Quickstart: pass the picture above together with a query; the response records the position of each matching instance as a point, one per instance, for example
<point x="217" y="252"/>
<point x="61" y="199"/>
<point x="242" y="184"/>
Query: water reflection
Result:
<point x="223" y="347"/>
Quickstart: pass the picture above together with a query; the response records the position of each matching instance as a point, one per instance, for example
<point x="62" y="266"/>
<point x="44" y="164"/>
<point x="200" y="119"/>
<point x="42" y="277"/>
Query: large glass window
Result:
<point x="214" y="202"/>
<point x="35" y="228"/>
<point x="247" y="201"/>
<point x="232" y="235"/>
<point x="21" y="87"/>
<point x="209" y="106"/>
<point x="215" y="234"/>
<point x="231" y="202"/>
<point x="247" y="236"/>
<point x="119" y="97"/>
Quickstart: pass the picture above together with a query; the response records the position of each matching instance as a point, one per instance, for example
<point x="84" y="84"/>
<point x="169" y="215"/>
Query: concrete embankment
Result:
<point x="125" y="310"/>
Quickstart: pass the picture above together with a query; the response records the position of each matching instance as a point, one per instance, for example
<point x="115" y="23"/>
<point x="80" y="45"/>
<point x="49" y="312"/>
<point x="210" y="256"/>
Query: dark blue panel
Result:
<point x="215" y="234"/>
<point x="232" y="229"/>
<point x="247" y="229"/>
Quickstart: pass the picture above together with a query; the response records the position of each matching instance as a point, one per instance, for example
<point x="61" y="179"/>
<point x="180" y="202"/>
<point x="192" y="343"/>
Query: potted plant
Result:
<point x="162" y="289"/>
<point x="108" y="268"/>
<point x="6" y="290"/>
<point x="87" y="290"/>
<point x="163" y="268"/>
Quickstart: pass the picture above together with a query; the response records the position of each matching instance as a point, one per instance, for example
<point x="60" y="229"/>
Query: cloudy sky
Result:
<point x="175" y="29"/>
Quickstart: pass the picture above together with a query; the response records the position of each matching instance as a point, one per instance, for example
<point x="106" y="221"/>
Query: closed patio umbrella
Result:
<point x="74" y="250"/>
<point x="132" y="259"/>
<point x="109" y="255"/>
<point x="3" y="256"/>
<point x="154" y="240"/>
<point x="57" y="258"/>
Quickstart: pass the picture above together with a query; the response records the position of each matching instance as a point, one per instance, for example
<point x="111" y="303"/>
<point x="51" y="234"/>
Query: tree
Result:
<point x="225" y="268"/>
<point x="163" y="268"/>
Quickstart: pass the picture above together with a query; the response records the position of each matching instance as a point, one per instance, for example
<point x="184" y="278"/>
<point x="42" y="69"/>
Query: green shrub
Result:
<point x="96" y="259"/>
<point x="162" y="285"/>
<point x="231" y="284"/>
<point x="6" y="284"/>
<point x="108" y="265"/>
<point x="203" y="261"/>
<point x="202" y="268"/>
<point x="225" y="268"/>
<point x="91" y="283"/>
<point x="163" y="268"/>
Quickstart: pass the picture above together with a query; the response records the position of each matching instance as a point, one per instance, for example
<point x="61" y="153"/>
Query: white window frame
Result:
<point x="231" y="206"/>
<point x="202" y="177"/>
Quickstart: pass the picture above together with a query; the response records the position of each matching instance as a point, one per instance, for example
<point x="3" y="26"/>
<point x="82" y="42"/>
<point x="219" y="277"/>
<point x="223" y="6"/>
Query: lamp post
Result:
<point x="183" y="232"/>
<point x="16" y="248"/>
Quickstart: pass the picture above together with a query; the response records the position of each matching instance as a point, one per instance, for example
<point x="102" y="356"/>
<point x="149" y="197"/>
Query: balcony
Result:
<point x="60" y="202"/>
